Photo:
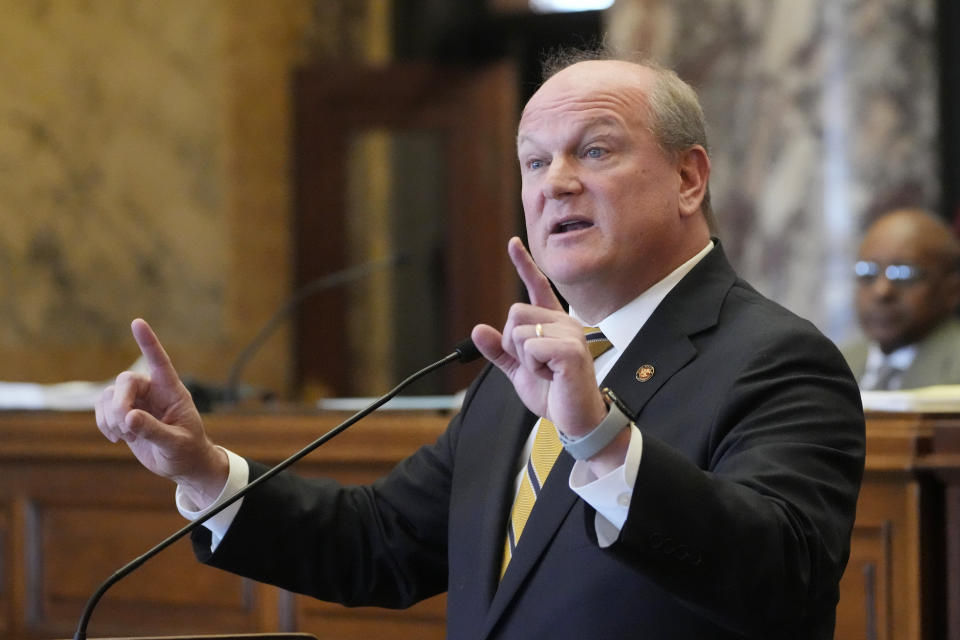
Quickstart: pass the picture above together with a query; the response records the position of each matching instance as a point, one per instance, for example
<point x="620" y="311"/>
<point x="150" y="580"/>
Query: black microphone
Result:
<point x="464" y="351"/>
<point x="230" y="391"/>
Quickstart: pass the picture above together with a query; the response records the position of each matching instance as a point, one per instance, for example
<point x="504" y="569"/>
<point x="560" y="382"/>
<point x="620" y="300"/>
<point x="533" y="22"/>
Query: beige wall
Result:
<point x="145" y="171"/>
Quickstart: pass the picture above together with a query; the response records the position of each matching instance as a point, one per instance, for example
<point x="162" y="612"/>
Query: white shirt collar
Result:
<point x="901" y="359"/>
<point x="622" y="326"/>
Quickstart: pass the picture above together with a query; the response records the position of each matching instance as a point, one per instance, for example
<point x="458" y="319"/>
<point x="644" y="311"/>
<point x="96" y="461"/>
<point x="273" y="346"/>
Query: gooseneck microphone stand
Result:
<point x="465" y="351"/>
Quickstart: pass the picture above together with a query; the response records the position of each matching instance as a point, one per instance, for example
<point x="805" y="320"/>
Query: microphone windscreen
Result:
<point x="467" y="351"/>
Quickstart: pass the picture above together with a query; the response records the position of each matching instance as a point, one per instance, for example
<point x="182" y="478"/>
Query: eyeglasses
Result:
<point x="898" y="274"/>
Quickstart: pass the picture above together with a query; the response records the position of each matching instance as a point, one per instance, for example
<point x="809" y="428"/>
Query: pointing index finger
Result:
<point x="161" y="368"/>
<point x="537" y="284"/>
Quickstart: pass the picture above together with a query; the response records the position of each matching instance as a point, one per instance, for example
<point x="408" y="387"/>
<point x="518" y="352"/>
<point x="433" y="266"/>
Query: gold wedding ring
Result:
<point x="539" y="330"/>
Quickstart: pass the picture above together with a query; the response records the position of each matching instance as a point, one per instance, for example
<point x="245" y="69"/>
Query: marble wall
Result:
<point x="145" y="170"/>
<point x="111" y="169"/>
<point x="821" y="114"/>
<point x="145" y="157"/>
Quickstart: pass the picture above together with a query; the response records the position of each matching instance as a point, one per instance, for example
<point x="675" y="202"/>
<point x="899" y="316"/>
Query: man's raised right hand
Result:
<point x="154" y="414"/>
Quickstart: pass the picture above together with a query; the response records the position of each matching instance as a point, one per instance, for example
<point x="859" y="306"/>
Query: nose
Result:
<point x="881" y="287"/>
<point x="561" y="179"/>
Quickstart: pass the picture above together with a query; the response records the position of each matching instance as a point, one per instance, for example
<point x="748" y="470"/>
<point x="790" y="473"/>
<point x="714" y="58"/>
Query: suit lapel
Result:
<point x="660" y="346"/>
<point x="663" y="345"/>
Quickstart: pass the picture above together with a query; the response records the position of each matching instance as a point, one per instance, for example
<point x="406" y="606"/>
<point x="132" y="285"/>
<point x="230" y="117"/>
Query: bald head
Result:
<point x="670" y="107"/>
<point x="918" y="229"/>
<point x="898" y="307"/>
<point x="621" y="86"/>
<point x="631" y="80"/>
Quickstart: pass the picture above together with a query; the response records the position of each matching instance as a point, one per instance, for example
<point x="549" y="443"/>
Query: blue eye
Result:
<point x="534" y="164"/>
<point x="595" y="152"/>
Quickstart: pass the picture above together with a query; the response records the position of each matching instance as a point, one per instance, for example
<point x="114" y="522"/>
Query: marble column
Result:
<point x="821" y="114"/>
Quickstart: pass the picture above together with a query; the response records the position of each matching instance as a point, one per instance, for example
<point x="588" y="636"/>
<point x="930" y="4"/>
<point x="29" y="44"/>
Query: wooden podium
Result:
<point x="903" y="579"/>
<point x="74" y="508"/>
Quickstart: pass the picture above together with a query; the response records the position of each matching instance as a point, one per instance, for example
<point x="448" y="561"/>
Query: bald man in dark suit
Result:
<point x="707" y="491"/>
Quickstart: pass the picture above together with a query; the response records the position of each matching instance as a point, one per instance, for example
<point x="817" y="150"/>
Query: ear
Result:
<point x="693" y="168"/>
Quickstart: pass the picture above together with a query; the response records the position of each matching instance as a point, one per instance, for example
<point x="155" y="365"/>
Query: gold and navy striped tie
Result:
<point x="546" y="448"/>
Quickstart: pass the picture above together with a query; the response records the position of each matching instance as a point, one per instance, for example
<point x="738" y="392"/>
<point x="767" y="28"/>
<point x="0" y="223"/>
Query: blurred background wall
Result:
<point x="146" y="165"/>
<point x="145" y="171"/>
<point x="822" y="114"/>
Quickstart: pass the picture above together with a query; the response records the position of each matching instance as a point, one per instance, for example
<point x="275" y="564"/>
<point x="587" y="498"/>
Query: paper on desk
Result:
<point x="76" y="395"/>
<point x="943" y="398"/>
<point x="402" y="403"/>
<point x="65" y="396"/>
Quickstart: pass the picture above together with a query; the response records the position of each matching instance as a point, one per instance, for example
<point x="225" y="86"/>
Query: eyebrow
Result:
<point x="584" y="129"/>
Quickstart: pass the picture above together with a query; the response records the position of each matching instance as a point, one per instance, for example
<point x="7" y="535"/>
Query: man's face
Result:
<point x="895" y="311"/>
<point x="600" y="196"/>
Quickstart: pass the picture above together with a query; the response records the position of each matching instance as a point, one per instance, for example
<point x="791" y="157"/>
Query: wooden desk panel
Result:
<point x="896" y="584"/>
<point x="74" y="507"/>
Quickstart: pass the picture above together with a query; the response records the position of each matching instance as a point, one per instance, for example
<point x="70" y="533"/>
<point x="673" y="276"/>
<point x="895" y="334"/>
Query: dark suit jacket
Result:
<point x="739" y="526"/>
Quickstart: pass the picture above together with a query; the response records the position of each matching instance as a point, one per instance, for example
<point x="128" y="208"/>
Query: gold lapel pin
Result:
<point x="645" y="372"/>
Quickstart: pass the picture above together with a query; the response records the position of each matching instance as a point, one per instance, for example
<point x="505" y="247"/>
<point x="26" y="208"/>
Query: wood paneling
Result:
<point x="74" y="508"/>
<point x="895" y="585"/>
<point x="473" y="113"/>
<point x="867" y="587"/>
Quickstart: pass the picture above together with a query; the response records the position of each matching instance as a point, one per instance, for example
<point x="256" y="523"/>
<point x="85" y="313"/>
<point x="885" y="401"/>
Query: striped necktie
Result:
<point x="546" y="448"/>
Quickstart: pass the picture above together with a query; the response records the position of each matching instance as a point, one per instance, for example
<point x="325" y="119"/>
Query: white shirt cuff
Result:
<point x="610" y="495"/>
<point x="236" y="479"/>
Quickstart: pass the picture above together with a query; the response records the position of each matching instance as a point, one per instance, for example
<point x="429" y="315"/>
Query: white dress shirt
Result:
<point x="878" y="362"/>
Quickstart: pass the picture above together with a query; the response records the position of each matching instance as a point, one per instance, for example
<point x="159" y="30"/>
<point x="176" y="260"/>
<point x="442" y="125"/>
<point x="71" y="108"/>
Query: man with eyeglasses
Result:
<point x="907" y="291"/>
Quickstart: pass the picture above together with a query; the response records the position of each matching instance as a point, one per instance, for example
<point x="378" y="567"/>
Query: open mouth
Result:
<point x="571" y="225"/>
